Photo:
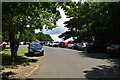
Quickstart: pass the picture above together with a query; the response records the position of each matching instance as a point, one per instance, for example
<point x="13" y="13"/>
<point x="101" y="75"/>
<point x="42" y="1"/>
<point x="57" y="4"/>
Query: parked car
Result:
<point x="70" y="45"/>
<point x="47" y="43"/>
<point x="75" y="45"/>
<point x="51" y="43"/>
<point x="95" y="47"/>
<point x="64" y="44"/>
<point x="41" y="42"/>
<point x="82" y="45"/>
<point x="113" y="50"/>
<point x="35" y="49"/>
<point x="26" y="43"/>
<point x="55" y="44"/>
<point x="60" y="44"/>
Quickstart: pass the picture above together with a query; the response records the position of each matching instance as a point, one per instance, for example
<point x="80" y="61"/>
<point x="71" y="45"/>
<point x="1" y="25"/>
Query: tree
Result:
<point x="28" y="35"/>
<point x="43" y="37"/>
<point x="17" y="15"/>
<point x="98" y="20"/>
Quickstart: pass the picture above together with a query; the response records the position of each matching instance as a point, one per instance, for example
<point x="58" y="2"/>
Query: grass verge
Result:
<point x="20" y="60"/>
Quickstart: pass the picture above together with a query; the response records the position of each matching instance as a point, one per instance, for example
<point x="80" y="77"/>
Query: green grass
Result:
<point x="20" y="60"/>
<point x="20" y="52"/>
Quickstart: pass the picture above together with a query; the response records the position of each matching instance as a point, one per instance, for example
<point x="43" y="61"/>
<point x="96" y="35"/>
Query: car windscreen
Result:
<point x="35" y="46"/>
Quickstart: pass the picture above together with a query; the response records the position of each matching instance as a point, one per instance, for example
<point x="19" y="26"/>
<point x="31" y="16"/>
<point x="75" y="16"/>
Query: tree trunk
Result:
<point x="18" y="42"/>
<point x="13" y="45"/>
<point x="13" y="51"/>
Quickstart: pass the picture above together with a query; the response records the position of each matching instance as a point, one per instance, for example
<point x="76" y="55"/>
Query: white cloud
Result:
<point x="60" y="29"/>
<point x="55" y="32"/>
<point x="55" y="37"/>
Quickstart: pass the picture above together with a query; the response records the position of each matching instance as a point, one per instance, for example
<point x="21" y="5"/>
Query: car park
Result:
<point x="113" y="50"/>
<point x="35" y="49"/>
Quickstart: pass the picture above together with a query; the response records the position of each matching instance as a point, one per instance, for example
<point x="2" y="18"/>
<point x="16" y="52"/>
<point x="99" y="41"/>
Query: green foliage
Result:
<point x="100" y="20"/>
<point x="28" y="35"/>
<point x="17" y="15"/>
<point x="43" y="37"/>
<point x="32" y="36"/>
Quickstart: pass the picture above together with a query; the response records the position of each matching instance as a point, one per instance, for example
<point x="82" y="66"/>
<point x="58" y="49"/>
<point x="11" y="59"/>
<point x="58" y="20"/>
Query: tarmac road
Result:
<point x="68" y="63"/>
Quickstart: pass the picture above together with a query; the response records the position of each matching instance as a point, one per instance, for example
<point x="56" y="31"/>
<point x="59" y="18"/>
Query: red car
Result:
<point x="65" y="44"/>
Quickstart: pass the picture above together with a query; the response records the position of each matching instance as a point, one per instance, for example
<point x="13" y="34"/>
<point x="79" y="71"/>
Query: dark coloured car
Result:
<point x="96" y="47"/>
<point x="113" y="50"/>
<point x="35" y="49"/>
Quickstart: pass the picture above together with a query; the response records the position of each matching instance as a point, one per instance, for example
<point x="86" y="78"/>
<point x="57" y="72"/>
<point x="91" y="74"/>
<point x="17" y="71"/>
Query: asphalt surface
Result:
<point x="68" y="63"/>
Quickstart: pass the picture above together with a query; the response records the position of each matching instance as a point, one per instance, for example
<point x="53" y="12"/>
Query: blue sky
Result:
<point x="55" y="32"/>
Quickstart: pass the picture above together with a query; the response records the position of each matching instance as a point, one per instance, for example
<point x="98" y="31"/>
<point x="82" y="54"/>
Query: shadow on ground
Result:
<point x="5" y="75"/>
<point x="102" y="71"/>
<point x="94" y="55"/>
<point x="32" y="55"/>
<point x="8" y="63"/>
<point x="20" y="60"/>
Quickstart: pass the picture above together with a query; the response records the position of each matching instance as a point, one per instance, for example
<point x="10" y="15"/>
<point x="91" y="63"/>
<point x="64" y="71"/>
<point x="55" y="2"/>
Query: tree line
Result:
<point x="29" y="36"/>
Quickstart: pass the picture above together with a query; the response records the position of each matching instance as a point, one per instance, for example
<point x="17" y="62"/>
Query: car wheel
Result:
<point x="42" y="53"/>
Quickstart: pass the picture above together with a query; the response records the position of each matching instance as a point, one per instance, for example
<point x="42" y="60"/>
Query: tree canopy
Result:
<point x="93" y="21"/>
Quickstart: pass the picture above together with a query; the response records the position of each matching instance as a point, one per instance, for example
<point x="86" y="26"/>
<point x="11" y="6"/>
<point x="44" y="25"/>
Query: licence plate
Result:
<point x="37" y="52"/>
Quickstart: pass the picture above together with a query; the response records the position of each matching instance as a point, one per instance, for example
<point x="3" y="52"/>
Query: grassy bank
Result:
<point x="20" y="60"/>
